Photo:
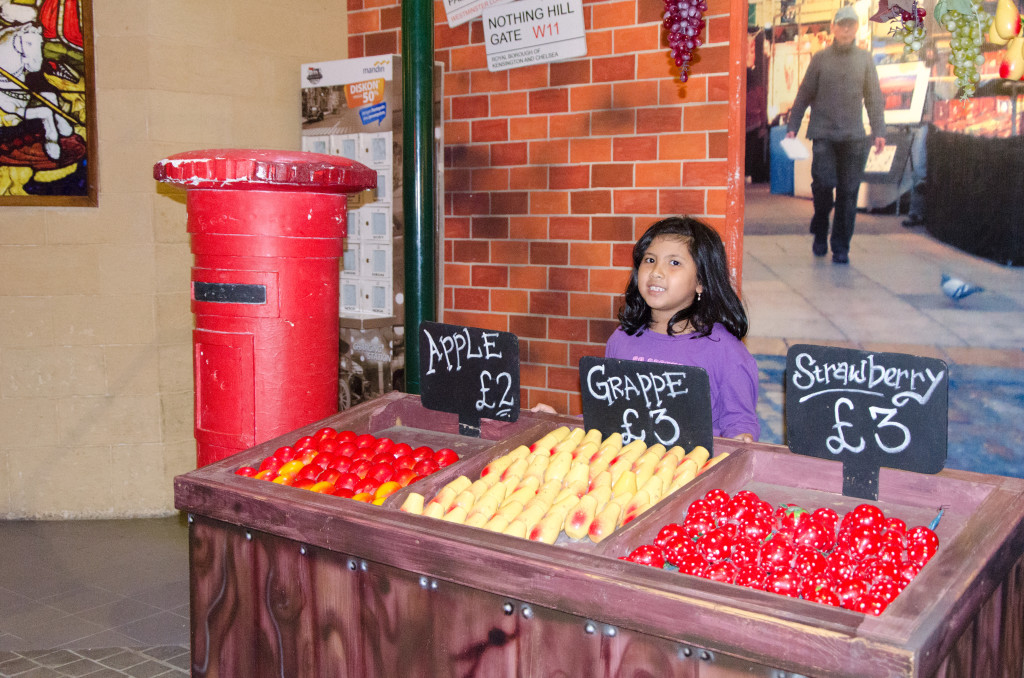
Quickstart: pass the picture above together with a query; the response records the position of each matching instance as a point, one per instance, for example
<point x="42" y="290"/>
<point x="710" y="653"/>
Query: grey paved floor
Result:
<point x="94" y="598"/>
<point x="153" y="662"/>
<point x="889" y="293"/>
<point x="889" y="299"/>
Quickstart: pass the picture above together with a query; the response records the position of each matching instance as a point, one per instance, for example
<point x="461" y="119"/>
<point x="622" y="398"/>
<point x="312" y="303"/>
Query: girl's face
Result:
<point x="667" y="278"/>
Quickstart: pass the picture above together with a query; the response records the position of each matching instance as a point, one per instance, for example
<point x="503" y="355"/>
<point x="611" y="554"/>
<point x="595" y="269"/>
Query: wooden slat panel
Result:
<point x="1012" y="624"/>
<point x="633" y="654"/>
<point x="986" y="659"/>
<point x="222" y="605"/>
<point x="286" y="611"/>
<point x="958" y="663"/>
<point x="394" y="618"/>
<point x="335" y="596"/>
<point x="472" y="635"/>
<point x="561" y="646"/>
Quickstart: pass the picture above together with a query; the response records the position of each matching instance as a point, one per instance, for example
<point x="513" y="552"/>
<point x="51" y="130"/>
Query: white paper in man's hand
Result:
<point x="794" y="149"/>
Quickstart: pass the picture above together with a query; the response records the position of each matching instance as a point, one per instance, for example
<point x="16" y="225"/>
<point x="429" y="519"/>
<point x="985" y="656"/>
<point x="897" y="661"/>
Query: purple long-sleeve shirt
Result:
<point x="731" y="370"/>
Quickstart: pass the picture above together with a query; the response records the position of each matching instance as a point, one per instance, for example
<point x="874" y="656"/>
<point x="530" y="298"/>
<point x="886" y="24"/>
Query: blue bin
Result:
<point x="780" y="166"/>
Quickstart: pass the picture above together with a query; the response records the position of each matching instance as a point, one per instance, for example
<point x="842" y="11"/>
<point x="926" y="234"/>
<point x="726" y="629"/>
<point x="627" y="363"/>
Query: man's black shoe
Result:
<point x="911" y="222"/>
<point x="820" y="249"/>
<point x="840" y="258"/>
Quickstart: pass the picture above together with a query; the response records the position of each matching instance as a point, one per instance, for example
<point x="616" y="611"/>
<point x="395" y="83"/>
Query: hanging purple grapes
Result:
<point x="684" y="21"/>
<point x="907" y="22"/>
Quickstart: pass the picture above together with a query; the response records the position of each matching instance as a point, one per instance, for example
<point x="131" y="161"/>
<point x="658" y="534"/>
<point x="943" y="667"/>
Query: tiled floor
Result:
<point x="888" y="297"/>
<point x="108" y="662"/>
<point x="110" y="598"/>
<point x="94" y="598"/>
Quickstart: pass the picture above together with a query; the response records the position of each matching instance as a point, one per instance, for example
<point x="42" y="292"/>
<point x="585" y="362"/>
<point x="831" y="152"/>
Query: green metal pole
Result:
<point x="418" y="176"/>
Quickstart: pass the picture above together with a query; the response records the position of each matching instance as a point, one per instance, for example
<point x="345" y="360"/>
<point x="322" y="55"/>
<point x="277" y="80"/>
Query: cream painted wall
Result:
<point x="95" y="326"/>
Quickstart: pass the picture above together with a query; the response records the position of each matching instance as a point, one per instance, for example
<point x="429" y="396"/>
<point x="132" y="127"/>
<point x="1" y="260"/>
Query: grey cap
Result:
<point x="846" y="13"/>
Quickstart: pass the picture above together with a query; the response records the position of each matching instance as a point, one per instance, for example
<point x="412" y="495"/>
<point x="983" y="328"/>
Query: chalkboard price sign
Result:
<point x="653" y="402"/>
<point x="867" y="410"/>
<point x="470" y="372"/>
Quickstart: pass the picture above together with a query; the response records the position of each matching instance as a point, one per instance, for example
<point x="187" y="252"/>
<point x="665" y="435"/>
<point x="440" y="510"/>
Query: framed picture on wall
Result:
<point x="47" y="104"/>
<point x="904" y="86"/>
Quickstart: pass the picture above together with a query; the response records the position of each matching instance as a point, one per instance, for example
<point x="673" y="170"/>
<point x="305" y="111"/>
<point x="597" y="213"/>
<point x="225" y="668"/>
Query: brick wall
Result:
<point x="553" y="171"/>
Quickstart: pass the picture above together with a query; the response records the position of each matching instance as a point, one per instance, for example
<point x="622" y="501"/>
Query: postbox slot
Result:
<point x="229" y="293"/>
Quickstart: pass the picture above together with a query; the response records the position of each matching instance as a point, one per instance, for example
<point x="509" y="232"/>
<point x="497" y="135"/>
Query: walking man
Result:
<point x="840" y="82"/>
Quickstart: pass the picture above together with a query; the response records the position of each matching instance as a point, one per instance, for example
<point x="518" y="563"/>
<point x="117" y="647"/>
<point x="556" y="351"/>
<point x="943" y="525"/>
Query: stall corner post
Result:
<point x="418" y="176"/>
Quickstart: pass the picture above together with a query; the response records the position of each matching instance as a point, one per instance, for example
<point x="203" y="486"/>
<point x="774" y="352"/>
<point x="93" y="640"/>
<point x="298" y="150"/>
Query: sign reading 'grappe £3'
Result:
<point x="653" y="402"/>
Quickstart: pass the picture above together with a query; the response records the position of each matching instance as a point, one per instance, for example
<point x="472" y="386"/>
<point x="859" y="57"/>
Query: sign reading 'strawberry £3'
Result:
<point x="867" y="410"/>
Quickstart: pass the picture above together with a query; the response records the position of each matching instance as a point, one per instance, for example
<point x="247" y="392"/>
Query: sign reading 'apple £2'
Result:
<point x="529" y="32"/>
<point x="470" y="372"/>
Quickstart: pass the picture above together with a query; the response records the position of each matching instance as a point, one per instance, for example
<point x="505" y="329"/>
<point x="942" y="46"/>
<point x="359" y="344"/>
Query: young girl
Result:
<point x="681" y="308"/>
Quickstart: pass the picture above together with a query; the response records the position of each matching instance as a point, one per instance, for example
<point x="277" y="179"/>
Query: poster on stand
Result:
<point x="353" y="108"/>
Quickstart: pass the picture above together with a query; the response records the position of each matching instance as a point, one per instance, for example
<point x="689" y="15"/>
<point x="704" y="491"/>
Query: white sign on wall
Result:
<point x="461" y="11"/>
<point x="529" y="32"/>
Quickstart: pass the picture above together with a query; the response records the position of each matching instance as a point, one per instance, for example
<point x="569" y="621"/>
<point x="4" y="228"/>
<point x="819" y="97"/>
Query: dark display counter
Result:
<point x="975" y="196"/>
<point x="288" y="582"/>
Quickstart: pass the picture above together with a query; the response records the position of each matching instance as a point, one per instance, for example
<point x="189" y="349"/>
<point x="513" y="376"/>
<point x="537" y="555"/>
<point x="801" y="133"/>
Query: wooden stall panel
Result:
<point x="473" y="633"/>
<point x="1011" y="632"/>
<point x="223" y="610"/>
<point x="567" y="645"/>
<point x="287" y="616"/>
<point x="394" y="618"/>
<point x="992" y="644"/>
<point x="335" y="596"/>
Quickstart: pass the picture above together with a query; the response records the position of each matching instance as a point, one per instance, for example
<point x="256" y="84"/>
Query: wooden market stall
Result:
<point x="290" y="582"/>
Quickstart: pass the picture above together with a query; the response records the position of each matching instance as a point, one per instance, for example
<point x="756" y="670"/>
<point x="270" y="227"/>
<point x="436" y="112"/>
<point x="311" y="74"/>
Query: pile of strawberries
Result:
<point x="860" y="561"/>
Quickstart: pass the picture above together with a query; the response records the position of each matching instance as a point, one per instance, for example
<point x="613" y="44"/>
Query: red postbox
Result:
<point x="266" y="230"/>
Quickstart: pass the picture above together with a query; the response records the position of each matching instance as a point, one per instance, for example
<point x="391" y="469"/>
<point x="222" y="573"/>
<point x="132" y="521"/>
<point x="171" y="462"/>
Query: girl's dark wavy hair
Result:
<point x="718" y="302"/>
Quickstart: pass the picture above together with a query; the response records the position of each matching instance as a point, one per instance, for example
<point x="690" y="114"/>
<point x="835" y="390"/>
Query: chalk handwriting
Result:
<point x="505" y="401"/>
<point x="863" y="376"/>
<point x="450" y="351"/>
<point x="654" y="388"/>
<point x="870" y="377"/>
<point x="838" y="442"/>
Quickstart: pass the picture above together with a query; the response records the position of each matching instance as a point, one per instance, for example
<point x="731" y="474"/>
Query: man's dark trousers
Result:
<point x="837" y="166"/>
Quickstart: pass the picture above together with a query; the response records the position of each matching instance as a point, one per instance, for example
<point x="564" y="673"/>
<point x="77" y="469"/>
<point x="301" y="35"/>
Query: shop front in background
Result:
<point x="919" y="89"/>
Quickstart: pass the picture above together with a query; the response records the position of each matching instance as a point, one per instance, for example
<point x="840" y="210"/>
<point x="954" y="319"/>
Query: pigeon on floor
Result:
<point x="956" y="289"/>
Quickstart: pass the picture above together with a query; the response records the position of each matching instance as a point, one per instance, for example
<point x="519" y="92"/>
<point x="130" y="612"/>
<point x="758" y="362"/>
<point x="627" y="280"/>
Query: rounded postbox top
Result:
<point x="256" y="169"/>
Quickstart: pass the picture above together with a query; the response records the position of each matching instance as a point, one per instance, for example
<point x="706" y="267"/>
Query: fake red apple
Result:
<point x="445" y="457"/>
<point x="425" y="467"/>
<point x="347" y="481"/>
